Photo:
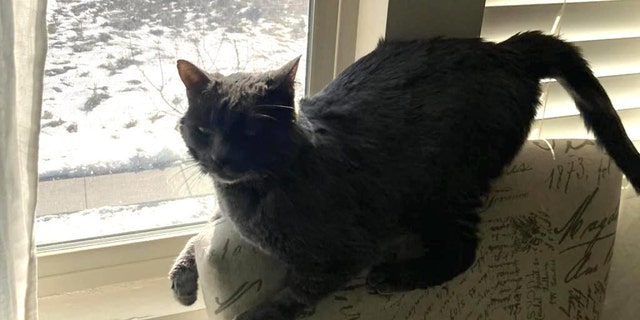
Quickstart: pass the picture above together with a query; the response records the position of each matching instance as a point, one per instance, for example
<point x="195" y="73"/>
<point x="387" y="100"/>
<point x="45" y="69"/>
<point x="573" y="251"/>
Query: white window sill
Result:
<point x="117" y="278"/>
<point x="143" y="299"/>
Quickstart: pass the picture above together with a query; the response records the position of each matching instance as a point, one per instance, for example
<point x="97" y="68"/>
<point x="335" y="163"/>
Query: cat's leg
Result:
<point x="184" y="275"/>
<point x="450" y="249"/>
<point x="184" y="272"/>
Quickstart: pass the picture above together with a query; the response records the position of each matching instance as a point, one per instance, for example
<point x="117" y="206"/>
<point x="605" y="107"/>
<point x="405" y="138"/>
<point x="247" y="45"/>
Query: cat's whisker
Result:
<point x="174" y="175"/>
<point x="200" y="177"/>
<point x="183" y="188"/>
<point x="191" y="168"/>
<point x="182" y="173"/>
<point x="273" y="106"/>
<point x="264" y="116"/>
<point x="191" y="171"/>
<point x="193" y="178"/>
<point x="190" y="165"/>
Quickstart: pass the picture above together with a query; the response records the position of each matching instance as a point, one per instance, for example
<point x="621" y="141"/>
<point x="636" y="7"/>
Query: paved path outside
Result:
<point x="70" y="195"/>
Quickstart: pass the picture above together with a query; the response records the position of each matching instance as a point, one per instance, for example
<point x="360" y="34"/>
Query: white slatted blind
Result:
<point x="607" y="31"/>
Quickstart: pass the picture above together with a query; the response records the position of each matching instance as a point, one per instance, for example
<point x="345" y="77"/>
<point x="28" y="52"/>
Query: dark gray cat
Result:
<point x="404" y="141"/>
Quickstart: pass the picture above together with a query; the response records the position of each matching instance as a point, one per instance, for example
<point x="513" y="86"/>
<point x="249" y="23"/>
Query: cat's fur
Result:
<point x="406" y="140"/>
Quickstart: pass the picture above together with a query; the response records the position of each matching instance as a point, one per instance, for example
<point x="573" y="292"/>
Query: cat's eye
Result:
<point x="204" y="131"/>
<point x="252" y="129"/>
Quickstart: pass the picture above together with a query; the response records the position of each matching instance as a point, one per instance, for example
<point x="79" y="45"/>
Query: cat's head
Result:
<point x="239" y="126"/>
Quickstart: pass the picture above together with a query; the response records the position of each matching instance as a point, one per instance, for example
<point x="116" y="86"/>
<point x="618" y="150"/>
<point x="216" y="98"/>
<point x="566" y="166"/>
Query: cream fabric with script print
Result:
<point x="547" y="237"/>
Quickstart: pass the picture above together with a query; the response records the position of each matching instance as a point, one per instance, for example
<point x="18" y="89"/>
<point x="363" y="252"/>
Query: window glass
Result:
<point x="110" y="159"/>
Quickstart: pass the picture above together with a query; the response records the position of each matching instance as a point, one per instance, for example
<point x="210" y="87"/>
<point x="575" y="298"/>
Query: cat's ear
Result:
<point x="194" y="79"/>
<point x="284" y="78"/>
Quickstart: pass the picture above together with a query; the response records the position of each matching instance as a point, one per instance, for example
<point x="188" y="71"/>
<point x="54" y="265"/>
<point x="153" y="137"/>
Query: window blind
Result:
<point x="607" y="31"/>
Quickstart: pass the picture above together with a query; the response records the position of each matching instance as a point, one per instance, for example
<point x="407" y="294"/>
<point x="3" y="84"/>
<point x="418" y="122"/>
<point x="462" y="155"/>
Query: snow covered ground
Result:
<point x="112" y="95"/>
<point x="106" y="221"/>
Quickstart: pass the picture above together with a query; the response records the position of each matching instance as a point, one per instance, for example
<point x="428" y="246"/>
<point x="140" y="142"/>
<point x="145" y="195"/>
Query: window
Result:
<point x="118" y="196"/>
<point x="608" y="33"/>
<point x="110" y="159"/>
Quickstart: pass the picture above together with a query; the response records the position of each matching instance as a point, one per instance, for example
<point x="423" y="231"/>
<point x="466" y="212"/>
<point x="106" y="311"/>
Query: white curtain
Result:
<point x="22" y="54"/>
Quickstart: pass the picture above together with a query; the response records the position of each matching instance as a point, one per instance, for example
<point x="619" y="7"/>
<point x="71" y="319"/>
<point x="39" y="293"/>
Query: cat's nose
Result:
<point x="219" y="154"/>
<point x="218" y="162"/>
<point x="215" y="162"/>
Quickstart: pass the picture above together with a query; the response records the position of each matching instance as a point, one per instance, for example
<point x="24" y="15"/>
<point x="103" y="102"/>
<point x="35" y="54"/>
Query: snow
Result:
<point x="105" y="221"/>
<point x="112" y="95"/>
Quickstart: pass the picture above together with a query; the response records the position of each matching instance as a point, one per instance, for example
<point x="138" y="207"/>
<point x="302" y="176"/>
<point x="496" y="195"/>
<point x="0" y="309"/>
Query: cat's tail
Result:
<point x="549" y="57"/>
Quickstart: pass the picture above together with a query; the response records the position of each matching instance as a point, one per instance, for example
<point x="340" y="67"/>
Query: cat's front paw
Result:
<point x="184" y="280"/>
